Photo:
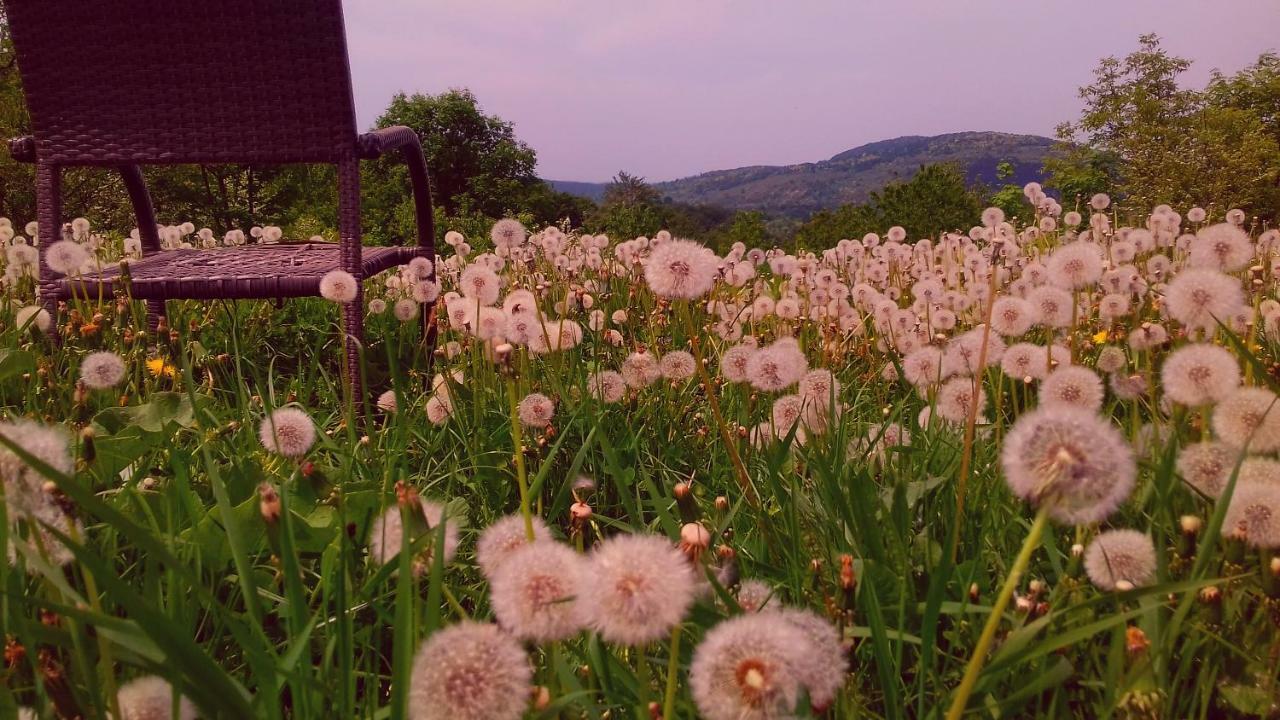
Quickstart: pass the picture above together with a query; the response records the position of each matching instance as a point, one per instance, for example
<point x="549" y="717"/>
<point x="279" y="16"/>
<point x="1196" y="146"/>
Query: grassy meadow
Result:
<point x="1027" y="470"/>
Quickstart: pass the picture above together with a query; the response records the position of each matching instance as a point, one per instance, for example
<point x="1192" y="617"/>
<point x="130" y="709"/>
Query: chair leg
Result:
<point x="430" y="333"/>
<point x="353" y="326"/>
<point x="155" y="313"/>
<point x="49" y="218"/>
<point x="349" y="242"/>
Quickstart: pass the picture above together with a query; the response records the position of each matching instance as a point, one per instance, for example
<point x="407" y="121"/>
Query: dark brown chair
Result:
<point x="126" y="83"/>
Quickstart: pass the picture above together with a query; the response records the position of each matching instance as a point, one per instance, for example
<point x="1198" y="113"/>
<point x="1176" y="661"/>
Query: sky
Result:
<point x="670" y="88"/>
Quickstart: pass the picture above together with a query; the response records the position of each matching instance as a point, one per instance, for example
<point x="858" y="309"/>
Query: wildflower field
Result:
<point x="1024" y="471"/>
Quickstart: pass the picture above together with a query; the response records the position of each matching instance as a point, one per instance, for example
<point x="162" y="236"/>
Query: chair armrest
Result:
<point x="23" y="149"/>
<point x="398" y="137"/>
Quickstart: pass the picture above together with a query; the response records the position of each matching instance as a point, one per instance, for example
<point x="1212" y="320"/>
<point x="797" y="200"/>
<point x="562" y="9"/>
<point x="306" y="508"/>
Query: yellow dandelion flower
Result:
<point x="158" y="367"/>
<point x="1100" y="337"/>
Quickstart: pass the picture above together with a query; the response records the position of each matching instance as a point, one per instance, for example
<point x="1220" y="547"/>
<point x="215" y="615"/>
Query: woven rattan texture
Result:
<point x="255" y="271"/>
<point x="172" y="81"/>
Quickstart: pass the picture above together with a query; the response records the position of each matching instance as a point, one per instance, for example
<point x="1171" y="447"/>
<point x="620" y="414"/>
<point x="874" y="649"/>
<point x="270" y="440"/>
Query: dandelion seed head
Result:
<point x="387" y="535"/>
<point x="677" y="365"/>
<point x="1120" y="559"/>
<point x="479" y="285"/>
<point x="33" y="317"/>
<point x="755" y="596"/>
<point x="1072" y="385"/>
<point x="1223" y="247"/>
<point x="508" y="233"/>
<point x="956" y="400"/>
<point x="504" y="537"/>
<point x="607" y="386"/>
<point x="405" y="309"/>
<point x="777" y="366"/>
<point x="534" y="592"/>
<point x="288" y="431"/>
<point x="640" y="369"/>
<point x="1012" y="317"/>
<point x="1248" y="415"/>
<point x="1199" y="374"/>
<point x="102" y="370"/>
<point x="734" y="361"/>
<point x="1070" y="458"/>
<point x="638" y="586"/>
<point x="66" y="257"/>
<point x="748" y="667"/>
<point x="470" y="671"/>
<point x="1111" y="359"/>
<point x="1075" y="265"/>
<point x="681" y="269"/>
<point x="1254" y="512"/>
<point x="1207" y="465"/>
<point x="1201" y="297"/>
<point x="151" y="698"/>
<point x="339" y="286"/>
<point x="1053" y="306"/>
<point x="823" y="667"/>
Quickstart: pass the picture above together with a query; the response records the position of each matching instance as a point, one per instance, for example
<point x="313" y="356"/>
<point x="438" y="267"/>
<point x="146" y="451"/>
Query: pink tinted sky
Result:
<point x="668" y="88"/>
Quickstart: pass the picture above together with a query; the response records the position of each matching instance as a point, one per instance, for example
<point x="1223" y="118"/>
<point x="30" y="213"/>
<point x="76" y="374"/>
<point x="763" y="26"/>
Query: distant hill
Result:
<point x="849" y="177"/>
<point x="595" y="191"/>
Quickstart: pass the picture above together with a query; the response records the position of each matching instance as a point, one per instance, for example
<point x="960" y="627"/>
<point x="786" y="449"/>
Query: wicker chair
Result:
<point x="125" y="83"/>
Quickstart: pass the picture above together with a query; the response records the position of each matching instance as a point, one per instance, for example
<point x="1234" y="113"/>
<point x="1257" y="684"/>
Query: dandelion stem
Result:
<point x="966" y="456"/>
<point x="673" y="667"/>
<point x="517" y="440"/>
<point x="730" y="444"/>
<point x="980" y="650"/>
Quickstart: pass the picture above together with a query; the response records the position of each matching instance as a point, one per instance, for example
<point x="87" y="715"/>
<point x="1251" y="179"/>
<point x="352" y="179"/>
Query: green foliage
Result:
<point x="1145" y="139"/>
<point x="937" y="199"/>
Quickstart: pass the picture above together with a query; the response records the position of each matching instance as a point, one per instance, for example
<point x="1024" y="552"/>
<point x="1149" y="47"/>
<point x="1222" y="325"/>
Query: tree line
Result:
<point x="1141" y="137"/>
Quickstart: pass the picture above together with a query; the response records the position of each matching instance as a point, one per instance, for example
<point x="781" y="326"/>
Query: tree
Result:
<point x="1147" y="140"/>
<point x="935" y="200"/>
<point x="1009" y="197"/>
<point x="480" y="171"/>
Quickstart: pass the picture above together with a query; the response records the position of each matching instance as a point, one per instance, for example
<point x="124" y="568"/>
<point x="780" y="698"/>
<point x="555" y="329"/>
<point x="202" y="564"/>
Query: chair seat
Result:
<point x="253" y="271"/>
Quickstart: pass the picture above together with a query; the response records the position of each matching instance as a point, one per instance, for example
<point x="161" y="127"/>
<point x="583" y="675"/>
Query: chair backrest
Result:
<point x="185" y="81"/>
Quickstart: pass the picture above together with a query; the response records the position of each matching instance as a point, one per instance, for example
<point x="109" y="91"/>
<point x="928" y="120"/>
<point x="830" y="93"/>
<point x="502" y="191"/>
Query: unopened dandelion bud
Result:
<point x="269" y="503"/>
<point x="149" y="483"/>
<point x="1135" y="641"/>
<point x="655" y="710"/>
<point x="1189" y="526"/>
<point x="694" y="540"/>
<point x="14" y="652"/>
<point x="407" y="497"/>
<point x="1124" y="585"/>
<point x="848" y="584"/>
<point x="88" y="449"/>
<point x="1271" y="577"/>
<point x="1023" y="605"/>
<point x="541" y="697"/>
<point x="579" y="512"/>
<point x="1077" y="550"/>
<point x="974" y="593"/>
<point x="685" y="502"/>
<point x="1235" y="549"/>
<point x="722" y="503"/>
<point x="1035" y="587"/>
